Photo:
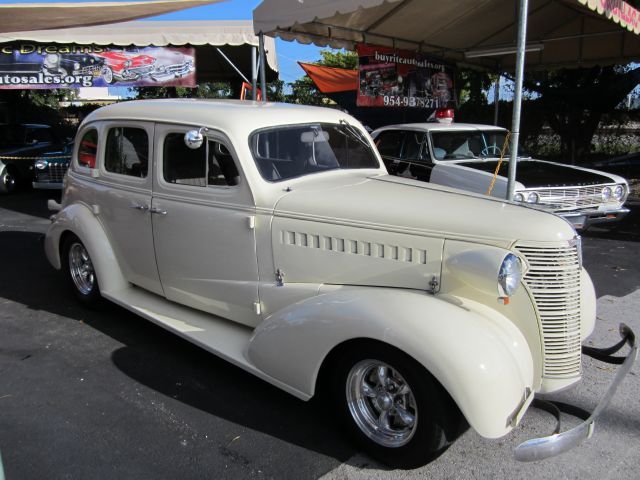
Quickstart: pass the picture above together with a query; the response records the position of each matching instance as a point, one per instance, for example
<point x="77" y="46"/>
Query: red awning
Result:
<point x="330" y="79"/>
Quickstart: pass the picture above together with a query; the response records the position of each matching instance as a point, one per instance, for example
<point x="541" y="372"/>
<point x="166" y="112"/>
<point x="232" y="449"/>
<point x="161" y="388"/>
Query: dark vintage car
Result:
<point x="20" y="146"/>
<point x="72" y="63"/>
<point x="49" y="170"/>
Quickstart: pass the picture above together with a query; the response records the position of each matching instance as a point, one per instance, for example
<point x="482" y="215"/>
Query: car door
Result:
<point x="389" y="144"/>
<point x="416" y="154"/>
<point x="203" y="213"/>
<point x="123" y="194"/>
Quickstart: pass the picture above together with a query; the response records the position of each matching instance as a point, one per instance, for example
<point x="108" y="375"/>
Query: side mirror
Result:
<point x="194" y="138"/>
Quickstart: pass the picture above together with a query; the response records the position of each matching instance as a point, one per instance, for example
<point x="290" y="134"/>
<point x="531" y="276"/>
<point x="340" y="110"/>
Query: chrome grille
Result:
<point x="553" y="279"/>
<point x="57" y="171"/>
<point x="572" y="197"/>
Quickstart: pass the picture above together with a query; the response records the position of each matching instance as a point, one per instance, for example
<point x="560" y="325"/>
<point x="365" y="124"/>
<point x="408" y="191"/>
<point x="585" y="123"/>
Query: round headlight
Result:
<point x="76" y="66"/>
<point x="41" y="164"/>
<point x="606" y="193"/>
<point x="518" y="197"/>
<point x="127" y="63"/>
<point x="510" y="275"/>
<point x="533" y="197"/>
<point x="618" y="192"/>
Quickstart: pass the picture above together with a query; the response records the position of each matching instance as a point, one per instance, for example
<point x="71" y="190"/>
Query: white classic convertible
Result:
<point x="273" y="236"/>
<point x="467" y="156"/>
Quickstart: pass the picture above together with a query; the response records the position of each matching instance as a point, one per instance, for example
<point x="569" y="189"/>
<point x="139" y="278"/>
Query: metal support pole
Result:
<point x="496" y="99"/>
<point x="263" y="68"/>
<point x="254" y="74"/>
<point x="232" y="65"/>
<point x="517" y="99"/>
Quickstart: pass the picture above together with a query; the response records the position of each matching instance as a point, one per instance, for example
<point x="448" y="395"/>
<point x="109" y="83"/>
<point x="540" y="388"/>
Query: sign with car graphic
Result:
<point x="397" y="78"/>
<point x="33" y="66"/>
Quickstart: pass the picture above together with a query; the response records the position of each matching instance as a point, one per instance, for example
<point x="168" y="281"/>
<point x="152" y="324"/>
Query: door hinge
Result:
<point x="251" y="222"/>
<point x="280" y="277"/>
<point x="434" y="285"/>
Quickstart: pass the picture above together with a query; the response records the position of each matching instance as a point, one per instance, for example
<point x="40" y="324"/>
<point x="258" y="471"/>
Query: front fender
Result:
<point x="481" y="359"/>
<point x="82" y="222"/>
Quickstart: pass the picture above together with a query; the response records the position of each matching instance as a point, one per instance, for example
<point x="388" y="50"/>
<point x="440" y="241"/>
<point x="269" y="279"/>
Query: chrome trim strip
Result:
<point x="546" y="447"/>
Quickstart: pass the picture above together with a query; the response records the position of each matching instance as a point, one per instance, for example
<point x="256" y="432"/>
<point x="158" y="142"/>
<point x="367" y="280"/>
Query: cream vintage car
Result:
<point x="273" y="236"/>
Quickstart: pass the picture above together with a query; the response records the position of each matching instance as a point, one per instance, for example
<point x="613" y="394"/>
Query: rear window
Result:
<point x="88" y="149"/>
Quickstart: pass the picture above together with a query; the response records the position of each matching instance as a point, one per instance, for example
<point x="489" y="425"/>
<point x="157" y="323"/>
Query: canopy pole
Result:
<point x="263" y="64"/>
<point x="254" y="74"/>
<point x="232" y="65"/>
<point x="517" y="100"/>
<point x="496" y="99"/>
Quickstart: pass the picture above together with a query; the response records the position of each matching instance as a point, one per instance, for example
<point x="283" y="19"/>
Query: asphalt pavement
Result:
<point x="92" y="395"/>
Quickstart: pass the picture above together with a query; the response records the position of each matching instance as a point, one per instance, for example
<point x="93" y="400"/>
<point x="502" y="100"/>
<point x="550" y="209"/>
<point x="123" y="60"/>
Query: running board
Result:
<point x="224" y="338"/>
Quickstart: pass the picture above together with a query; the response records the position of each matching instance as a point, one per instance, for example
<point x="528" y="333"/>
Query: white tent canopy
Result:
<point x="486" y="33"/>
<point x="217" y="33"/>
<point x="16" y="17"/>
<point x="563" y="32"/>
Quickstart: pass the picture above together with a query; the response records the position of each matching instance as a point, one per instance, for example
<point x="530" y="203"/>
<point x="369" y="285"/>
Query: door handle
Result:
<point x="158" y="211"/>
<point x="144" y="208"/>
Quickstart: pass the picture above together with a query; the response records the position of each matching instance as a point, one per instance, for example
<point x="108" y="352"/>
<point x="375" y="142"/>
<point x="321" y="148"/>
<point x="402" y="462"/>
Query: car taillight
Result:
<point x="444" y="115"/>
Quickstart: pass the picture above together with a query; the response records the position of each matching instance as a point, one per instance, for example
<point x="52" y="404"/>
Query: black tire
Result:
<point x="84" y="284"/>
<point x="436" y="416"/>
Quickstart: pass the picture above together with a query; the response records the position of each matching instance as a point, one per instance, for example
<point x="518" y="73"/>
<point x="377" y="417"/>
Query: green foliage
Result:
<point x="575" y="100"/>
<point x="204" y="90"/>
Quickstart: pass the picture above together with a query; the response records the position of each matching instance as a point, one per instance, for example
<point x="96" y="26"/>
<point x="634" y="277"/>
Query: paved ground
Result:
<point x="109" y="395"/>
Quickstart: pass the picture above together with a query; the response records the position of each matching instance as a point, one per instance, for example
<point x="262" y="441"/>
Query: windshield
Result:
<point x="296" y="150"/>
<point x="463" y="144"/>
<point x="12" y="135"/>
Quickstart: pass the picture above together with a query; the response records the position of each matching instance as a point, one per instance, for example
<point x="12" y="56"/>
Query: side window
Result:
<point x="88" y="149"/>
<point x="209" y="165"/>
<point x="389" y="143"/>
<point x="127" y="151"/>
<point x="412" y="144"/>
<point x="38" y="135"/>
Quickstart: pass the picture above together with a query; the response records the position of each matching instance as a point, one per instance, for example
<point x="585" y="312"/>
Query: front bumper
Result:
<point x="47" y="185"/>
<point x="585" y="218"/>
<point x="557" y="443"/>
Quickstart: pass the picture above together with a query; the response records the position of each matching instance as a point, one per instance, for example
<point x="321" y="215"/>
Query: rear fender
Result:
<point x="82" y="222"/>
<point x="478" y="355"/>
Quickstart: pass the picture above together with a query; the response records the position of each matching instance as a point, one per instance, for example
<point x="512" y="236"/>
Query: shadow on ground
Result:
<point x="168" y="364"/>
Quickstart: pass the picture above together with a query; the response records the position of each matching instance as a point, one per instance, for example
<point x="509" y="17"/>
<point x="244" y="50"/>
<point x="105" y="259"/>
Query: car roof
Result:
<point x="439" y="126"/>
<point x="230" y="115"/>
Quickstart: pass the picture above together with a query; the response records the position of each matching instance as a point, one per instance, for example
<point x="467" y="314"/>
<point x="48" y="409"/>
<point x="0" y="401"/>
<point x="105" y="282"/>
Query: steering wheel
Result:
<point x="490" y="149"/>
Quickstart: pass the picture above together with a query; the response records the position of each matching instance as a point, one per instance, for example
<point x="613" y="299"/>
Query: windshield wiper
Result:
<point x="355" y="133"/>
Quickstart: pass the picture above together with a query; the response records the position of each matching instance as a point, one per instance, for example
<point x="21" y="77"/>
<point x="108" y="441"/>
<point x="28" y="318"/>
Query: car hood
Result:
<point x="542" y="174"/>
<point x="409" y="206"/>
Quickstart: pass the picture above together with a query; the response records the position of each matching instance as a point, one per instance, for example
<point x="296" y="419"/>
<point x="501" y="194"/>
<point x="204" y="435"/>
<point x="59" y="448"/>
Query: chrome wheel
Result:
<point x="381" y="403"/>
<point x="8" y="182"/>
<point x="81" y="269"/>
<point x="107" y="74"/>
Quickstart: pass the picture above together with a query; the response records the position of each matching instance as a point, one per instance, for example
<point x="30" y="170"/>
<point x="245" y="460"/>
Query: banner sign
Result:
<point x="31" y="66"/>
<point x="618" y="11"/>
<point x="400" y="78"/>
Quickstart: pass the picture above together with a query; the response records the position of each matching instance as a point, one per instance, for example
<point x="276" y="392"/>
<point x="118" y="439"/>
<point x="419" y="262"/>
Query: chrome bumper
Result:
<point x="585" y="218"/>
<point x="47" y="185"/>
<point x="545" y="447"/>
